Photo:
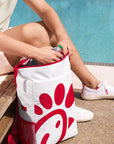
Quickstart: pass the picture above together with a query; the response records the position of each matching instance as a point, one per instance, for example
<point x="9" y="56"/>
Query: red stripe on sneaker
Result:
<point x="97" y="88"/>
<point x="82" y="88"/>
<point x="107" y="92"/>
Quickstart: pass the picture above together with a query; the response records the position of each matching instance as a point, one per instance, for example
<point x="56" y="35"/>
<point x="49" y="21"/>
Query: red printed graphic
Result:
<point x="23" y="108"/>
<point x="37" y="110"/>
<point x="47" y="103"/>
<point x="70" y="97"/>
<point x="45" y="138"/>
<point x="70" y="121"/>
<point x="58" y="123"/>
<point x="59" y="94"/>
<point x="45" y="100"/>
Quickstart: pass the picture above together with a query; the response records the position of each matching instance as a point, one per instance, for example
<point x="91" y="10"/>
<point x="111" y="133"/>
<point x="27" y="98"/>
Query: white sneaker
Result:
<point x="83" y="115"/>
<point x="103" y="91"/>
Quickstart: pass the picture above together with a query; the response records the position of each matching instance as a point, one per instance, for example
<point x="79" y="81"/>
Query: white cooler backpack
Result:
<point x="45" y="102"/>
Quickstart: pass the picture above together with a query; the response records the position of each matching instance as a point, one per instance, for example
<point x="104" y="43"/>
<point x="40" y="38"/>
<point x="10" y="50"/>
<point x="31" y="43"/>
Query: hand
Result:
<point x="46" y="55"/>
<point x="67" y="46"/>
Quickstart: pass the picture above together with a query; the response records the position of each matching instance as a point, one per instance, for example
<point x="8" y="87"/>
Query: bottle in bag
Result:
<point x="58" y="48"/>
<point x="34" y="62"/>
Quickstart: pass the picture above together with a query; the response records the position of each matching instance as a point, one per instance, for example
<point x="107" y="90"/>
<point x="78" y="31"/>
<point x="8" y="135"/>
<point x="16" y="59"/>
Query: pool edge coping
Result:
<point x="99" y="64"/>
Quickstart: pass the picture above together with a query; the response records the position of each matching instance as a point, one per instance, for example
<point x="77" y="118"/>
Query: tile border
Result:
<point x="99" y="64"/>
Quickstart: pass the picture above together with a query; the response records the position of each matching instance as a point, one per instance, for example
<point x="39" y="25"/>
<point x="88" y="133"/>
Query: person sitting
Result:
<point x="36" y="39"/>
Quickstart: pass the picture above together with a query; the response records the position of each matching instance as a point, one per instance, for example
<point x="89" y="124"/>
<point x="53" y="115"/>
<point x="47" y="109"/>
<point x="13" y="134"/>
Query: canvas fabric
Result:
<point x="46" y="108"/>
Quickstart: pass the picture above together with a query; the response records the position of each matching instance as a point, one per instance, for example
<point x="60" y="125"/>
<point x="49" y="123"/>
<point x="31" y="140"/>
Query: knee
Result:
<point x="35" y="33"/>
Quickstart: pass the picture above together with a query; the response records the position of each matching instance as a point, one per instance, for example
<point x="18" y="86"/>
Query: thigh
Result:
<point x="36" y="34"/>
<point x="35" y="31"/>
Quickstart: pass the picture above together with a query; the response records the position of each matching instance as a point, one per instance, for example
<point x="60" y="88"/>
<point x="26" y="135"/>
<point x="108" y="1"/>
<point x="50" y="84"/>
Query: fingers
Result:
<point x="70" y="50"/>
<point x="46" y="55"/>
<point x="56" y="59"/>
<point x="65" y="50"/>
<point x="57" y="56"/>
<point x="67" y="47"/>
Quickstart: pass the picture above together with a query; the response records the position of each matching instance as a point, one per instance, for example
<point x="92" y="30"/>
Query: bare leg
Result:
<point x="38" y="35"/>
<point x="79" y="68"/>
<point x="32" y="33"/>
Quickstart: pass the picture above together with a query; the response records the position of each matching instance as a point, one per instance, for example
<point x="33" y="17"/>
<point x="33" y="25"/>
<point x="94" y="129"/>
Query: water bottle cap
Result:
<point x="60" y="46"/>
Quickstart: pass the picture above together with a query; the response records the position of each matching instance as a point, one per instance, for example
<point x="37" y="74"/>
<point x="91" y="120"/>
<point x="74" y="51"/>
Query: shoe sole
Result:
<point x="82" y="121"/>
<point x="97" y="98"/>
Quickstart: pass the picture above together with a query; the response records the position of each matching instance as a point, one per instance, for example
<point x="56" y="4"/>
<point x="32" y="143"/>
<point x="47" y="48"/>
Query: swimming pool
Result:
<point x="90" y="24"/>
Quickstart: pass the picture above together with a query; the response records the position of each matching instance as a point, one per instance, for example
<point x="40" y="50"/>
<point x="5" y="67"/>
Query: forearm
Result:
<point x="14" y="47"/>
<point x="53" y="22"/>
<point x="49" y="17"/>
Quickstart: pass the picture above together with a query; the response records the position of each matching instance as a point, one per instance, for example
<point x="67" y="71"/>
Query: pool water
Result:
<point x="90" y="24"/>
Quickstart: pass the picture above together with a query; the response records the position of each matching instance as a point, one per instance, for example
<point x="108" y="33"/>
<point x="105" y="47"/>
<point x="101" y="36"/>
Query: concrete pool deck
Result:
<point x="100" y="130"/>
<point x="99" y="71"/>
